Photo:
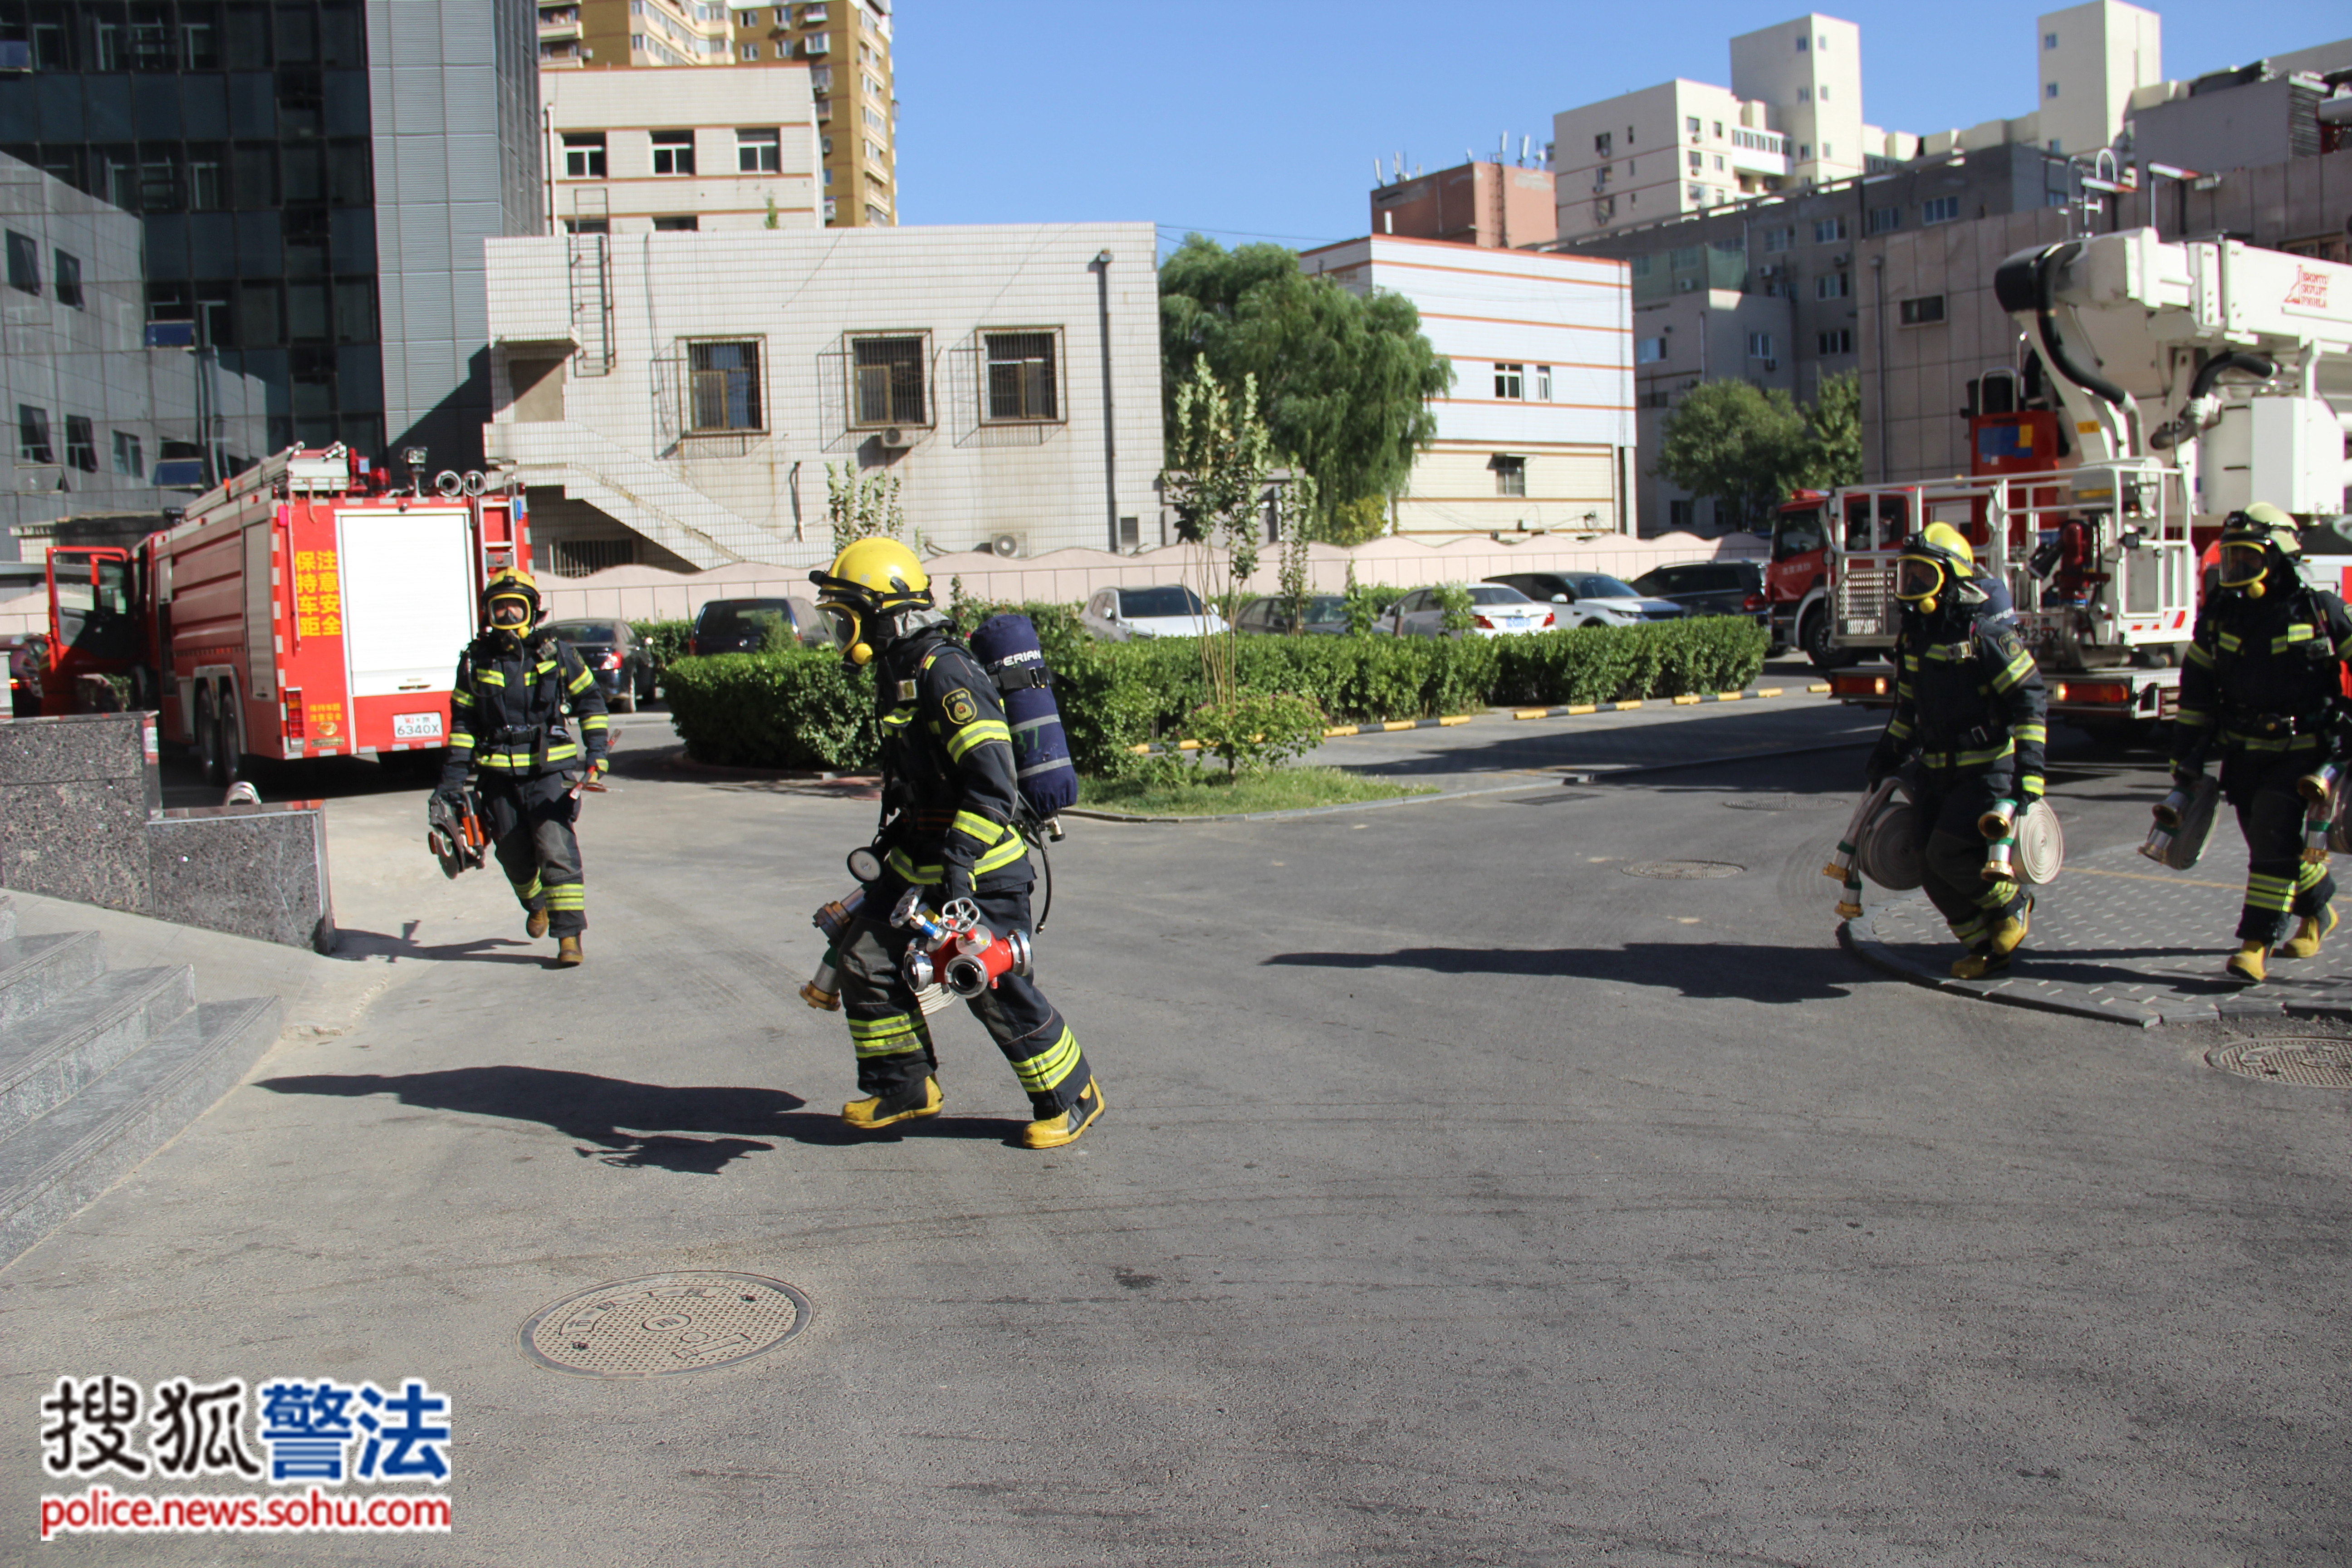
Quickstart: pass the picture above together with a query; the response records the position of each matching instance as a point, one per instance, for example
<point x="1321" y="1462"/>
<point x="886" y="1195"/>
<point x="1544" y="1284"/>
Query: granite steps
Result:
<point x="98" y="1068"/>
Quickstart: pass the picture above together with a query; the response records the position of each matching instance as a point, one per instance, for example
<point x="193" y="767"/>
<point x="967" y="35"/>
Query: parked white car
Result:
<point x="1497" y="610"/>
<point x="1592" y="598"/>
<point x="1115" y="614"/>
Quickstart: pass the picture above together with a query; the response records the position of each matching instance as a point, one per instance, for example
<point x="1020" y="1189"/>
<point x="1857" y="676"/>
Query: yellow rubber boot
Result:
<point x="1053" y="1131"/>
<point x="2305" y="943"/>
<point x="569" y="954"/>
<point x="534" y="923"/>
<point x="2010" y="935"/>
<point x="2246" y="964"/>
<point x="869" y="1114"/>
<point x="1977" y="965"/>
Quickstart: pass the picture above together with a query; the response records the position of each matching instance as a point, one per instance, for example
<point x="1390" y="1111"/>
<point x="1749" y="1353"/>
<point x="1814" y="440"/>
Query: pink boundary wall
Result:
<point x="1071" y="576"/>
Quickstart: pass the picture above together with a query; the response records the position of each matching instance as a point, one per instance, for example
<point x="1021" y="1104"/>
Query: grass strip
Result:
<point x="1284" y="789"/>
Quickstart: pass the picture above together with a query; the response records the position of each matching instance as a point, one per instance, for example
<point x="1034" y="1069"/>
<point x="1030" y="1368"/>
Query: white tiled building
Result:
<point x="722" y="147"/>
<point x="675" y="399"/>
<point x="1537" y="432"/>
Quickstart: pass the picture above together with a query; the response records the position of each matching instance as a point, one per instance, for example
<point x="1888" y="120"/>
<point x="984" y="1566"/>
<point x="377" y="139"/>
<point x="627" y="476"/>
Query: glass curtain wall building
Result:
<point x="314" y="180"/>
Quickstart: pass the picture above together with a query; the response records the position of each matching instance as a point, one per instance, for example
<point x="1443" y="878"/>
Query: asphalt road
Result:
<point x="1462" y="1199"/>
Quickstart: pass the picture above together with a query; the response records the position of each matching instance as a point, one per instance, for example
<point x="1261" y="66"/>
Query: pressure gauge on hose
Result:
<point x="864" y="865"/>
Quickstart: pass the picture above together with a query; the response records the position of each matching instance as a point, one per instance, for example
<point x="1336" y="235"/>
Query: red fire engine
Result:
<point x="302" y="609"/>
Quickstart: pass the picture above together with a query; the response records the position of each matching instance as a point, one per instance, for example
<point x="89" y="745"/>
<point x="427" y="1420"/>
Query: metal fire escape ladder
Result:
<point x="589" y="272"/>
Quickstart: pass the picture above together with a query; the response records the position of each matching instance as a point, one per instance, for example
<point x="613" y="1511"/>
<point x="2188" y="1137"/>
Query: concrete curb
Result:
<point x="1861" y="938"/>
<point x="1092" y="814"/>
<point x="1578" y="709"/>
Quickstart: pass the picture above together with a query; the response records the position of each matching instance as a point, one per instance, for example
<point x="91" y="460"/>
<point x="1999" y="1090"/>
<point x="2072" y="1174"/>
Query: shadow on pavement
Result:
<point x="356" y="945"/>
<point x="1772" y="974"/>
<point x="596" y="1111"/>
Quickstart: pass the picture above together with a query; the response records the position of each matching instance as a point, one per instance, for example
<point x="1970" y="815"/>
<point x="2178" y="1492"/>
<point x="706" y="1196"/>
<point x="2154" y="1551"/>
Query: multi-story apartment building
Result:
<point x="1537" y="432"/>
<point x="1491" y="205"/>
<point x="2093" y="58"/>
<point x="313" y="182"/>
<point x="845" y="46"/>
<point x="734" y="147"/>
<point x="1792" y="116"/>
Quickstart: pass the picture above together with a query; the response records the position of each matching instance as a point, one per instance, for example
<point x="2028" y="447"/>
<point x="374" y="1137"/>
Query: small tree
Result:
<point x="1291" y="579"/>
<point x="1354" y="522"/>
<point x="860" y="506"/>
<point x="1218" y="455"/>
<point x="1834" y="457"/>
<point x="1744" y="445"/>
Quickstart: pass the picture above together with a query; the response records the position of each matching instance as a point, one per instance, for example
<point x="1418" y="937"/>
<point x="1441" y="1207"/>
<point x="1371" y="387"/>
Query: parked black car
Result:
<point x="741" y="625"/>
<point x="613" y="655"/>
<point x="1712" y="588"/>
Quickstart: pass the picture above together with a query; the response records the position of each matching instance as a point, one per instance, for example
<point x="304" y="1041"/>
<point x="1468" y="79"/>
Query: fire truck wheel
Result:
<point x="1813" y="636"/>
<point x="208" y="737"/>
<point x="229" y="746"/>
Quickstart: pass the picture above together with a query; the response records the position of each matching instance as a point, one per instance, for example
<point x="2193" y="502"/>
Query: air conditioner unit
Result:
<point x="1843" y="259"/>
<point x="1768" y="272"/>
<point x="1686" y="285"/>
<point x="1006" y="546"/>
<point x="897" y="438"/>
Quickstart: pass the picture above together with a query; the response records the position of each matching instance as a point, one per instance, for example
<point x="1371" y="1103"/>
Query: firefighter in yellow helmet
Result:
<point x="507" y="708"/>
<point x="2262" y="686"/>
<point x="1970" y="709"/>
<point x="951" y="805"/>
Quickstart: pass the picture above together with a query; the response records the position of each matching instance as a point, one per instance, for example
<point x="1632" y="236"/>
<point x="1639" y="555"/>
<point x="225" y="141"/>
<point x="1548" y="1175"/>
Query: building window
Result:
<point x="1509" y="380"/>
<point x="1839" y="342"/>
<point x="33" y="435"/>
<point x="1543" y="384"/>
<point x="1801" y="43"/>
<point x="1823" y="95"/>
<point x="1696" y="162"/>
<point x="2049" y="41"/>
<point x="673" y="152"/>
<point x="889" y="380"/>
<point x="1828" y="230"/>
<point x="127" y="459"/>
<point x="1759" y="345"/>
<point x="724" y="383"/>
<point x="1804" y="153"/>
<point x="1021" y="385"/>
<point x="1678" y="516"/>
<point x="1602" y="144"/>
<point x="1510" y="475"/>
<point x="2050" y="90"/>
<point x="1690" y="123"/>
<point x="685" y="223"/>
<point x="1719" y="162"/>
<point x="1699" y="196"/>
<point x="1649" y="351"/>
<point x="1833" y="286"/>
<point x="81" y="444"/>
<point x="587" y="226"/>
<point x="583" y="155"/>
<point x="1719" y="130"/>
<point x="758" y="152"/>
<point x="1942" y="209"/>
<point x="24" y="265"/>
<point x="749" y="51"/>
<point x="69" y="279"/>
<point x="1804" y="95"/>
<point x="1779" y="239"/>
<point x="1886" y="220"/>
<point x="1923" y="312"/>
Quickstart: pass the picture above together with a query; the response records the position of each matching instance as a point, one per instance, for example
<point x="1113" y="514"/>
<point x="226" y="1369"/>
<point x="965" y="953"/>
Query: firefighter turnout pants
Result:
<point x="2271" y="814"/>
<point x="1947" y="804"/>
<point x="530" y="830"/>
<point x="893" y="1041"/>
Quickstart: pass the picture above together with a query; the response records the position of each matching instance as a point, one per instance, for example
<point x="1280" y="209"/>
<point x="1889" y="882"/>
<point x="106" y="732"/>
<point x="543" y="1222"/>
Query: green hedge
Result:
<point x="802" y="710"/>
<point x="665" y="641"/>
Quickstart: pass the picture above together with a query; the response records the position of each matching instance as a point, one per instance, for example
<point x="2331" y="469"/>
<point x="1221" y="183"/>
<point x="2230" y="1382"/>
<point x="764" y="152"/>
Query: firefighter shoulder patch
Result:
<point x="960" y="709"/>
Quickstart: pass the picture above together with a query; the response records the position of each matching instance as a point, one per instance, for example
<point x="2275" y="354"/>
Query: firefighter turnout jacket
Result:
<point x="950" y="795"/>
<point x="1968" y="696"/>
<point x="2262" y="678"/>
<point x="508" y="704"/>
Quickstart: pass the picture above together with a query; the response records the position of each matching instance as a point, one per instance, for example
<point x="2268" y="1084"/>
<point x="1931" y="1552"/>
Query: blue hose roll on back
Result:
<point x="1007" y="648"/>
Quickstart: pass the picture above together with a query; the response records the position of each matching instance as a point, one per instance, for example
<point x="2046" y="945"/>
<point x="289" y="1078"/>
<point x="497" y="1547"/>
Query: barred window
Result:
<point x="1021" y="377"/>
<point x="724" y="382"/>
<point x="888" y="384"/>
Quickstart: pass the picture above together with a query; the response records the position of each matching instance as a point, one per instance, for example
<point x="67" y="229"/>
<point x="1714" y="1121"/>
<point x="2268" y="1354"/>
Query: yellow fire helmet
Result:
<point x="515" y="584"/>
<point x="1937" y="556"/>
<point x="2248" y="538"/>
<point x="870" y="578"/>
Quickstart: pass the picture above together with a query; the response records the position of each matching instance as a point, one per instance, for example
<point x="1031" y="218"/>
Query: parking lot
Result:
<point x="1525" y="1176"/>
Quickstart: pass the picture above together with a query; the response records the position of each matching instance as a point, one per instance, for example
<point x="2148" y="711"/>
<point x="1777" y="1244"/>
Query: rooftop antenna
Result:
<point x="1377" y="181"/>
<point x="1502" y="146"/>
<point x="1526" y="144"/>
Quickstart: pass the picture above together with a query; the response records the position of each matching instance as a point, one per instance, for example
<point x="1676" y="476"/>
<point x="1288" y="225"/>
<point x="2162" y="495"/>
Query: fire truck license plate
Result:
<point x="416" y="726"/>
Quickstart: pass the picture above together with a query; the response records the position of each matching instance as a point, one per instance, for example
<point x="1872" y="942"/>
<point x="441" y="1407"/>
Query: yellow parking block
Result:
<point x="1768" y="692"/>
<point x="1589" y="707"/>
<point x="1397" y="724"/>
<point x="1457" y="719"/>
<point x="1819" y="686"/>
<point x="1729" y="696"/>
<point x="1532" y="713"/>
<point x="1188" y="745"/>
<point x="1342" y="729"/>
<point x="1144" y="751"/>
<point x="1685" y="701"/>
<point x="1626" y="707"/>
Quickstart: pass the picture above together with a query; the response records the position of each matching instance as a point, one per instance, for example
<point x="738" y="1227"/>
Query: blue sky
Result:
<point x="1261" y="120"/>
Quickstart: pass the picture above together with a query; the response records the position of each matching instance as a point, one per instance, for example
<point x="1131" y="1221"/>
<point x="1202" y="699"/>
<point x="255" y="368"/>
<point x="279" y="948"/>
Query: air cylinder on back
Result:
<point x="1007" y="646"/>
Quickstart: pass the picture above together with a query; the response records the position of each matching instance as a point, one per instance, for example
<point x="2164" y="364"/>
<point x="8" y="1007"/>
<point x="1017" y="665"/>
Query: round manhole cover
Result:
<point x="1682" y="870"/>
<point x="1784" y="802"/>
<point x="2321" y="1061"/>
<point x="665" y="1323"/>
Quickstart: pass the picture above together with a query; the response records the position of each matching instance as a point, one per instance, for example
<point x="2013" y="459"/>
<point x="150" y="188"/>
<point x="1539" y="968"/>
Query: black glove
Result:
<point x="451" y="792"/>
<point x="1881" y="763"/>
<point x="957" y="883"/>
